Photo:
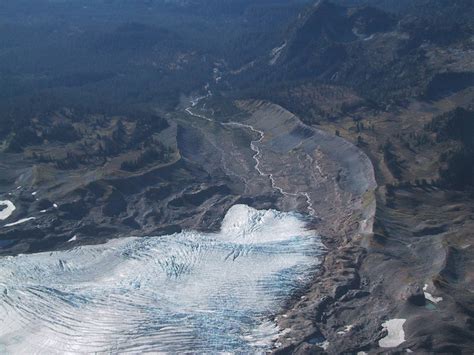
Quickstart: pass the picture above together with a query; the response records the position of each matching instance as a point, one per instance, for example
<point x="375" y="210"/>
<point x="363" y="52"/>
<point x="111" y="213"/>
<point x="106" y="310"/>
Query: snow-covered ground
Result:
<point x="205" y="292"/>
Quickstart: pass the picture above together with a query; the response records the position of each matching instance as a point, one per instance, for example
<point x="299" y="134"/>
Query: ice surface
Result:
<point x="187" y="291"/>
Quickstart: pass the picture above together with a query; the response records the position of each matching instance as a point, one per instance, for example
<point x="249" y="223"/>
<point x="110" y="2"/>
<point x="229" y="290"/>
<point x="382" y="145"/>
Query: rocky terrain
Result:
<point x="219" y="161"/>
<point x="415" y="267"/>
<point x="399" y="85"/>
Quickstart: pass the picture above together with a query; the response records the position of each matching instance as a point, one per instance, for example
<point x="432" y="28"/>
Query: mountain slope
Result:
<point x="380" y="55"/>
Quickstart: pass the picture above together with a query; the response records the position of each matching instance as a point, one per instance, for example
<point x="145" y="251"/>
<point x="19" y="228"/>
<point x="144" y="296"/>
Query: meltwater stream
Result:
<point x="203" y="292"/>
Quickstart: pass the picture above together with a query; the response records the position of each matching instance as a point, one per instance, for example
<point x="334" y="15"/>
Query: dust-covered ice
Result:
<point x="205" y="292"/>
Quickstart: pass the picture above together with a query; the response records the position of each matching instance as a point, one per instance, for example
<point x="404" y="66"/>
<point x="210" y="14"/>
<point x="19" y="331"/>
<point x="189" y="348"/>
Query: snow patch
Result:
<point x="430" y="297"/>
<point x="347" y="329"/>
<point x="73" y="239"/>
<point x="276" y="53"/>
<point x="20" y="221"/>
<point x="396" y="334"/>
<point x="324" y="345"/>
<point x="6" y="211"/>
<point x="369" y="38"/>
<point x="362" y="36"/>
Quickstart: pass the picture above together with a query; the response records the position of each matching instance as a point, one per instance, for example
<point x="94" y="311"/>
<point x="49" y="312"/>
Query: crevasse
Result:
<point x="188" y="291"/>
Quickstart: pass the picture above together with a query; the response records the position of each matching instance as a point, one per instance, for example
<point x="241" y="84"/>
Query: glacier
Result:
<point x="190" y="291"/>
